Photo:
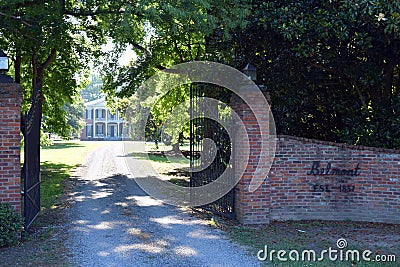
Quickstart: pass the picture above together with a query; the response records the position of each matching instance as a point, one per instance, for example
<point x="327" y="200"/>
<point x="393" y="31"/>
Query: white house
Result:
<point x="100" y="124"/>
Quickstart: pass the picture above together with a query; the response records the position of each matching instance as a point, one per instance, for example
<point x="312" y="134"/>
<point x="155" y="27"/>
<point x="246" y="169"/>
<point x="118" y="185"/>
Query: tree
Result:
<point x="74" y="113"/>
<point x="51" y="41"/>
<point x="93" y="89"/>
<point x="332" y="67"/>
<point x="176" y="31"/>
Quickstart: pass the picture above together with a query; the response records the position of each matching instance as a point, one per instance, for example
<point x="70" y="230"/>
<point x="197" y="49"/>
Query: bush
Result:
<point x="45" y="139"/>
<point x="11" y="224"/>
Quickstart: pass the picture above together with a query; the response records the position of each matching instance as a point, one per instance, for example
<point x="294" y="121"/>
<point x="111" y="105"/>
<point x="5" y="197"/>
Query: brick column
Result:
<point x="10" y="126"/>
<point x="251" y="207"/>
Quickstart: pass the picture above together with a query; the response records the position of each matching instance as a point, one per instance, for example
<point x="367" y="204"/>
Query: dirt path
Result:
<point x="114" y="223"/>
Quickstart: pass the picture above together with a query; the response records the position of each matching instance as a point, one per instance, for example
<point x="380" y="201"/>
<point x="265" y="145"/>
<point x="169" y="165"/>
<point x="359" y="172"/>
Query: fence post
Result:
<point x="250" y="207"/>
<point x="10" y="150"/>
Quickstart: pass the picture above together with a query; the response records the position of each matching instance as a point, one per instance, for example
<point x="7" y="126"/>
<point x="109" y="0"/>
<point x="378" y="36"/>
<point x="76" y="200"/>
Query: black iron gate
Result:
<point x="31" y="170"/>
<point x="202" y="131"/>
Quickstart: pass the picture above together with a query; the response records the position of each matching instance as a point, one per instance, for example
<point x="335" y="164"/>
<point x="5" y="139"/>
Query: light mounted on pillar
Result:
<point x="4" y="67"/>
<point x="3" y="62"/>
<point x="250" y="71"/>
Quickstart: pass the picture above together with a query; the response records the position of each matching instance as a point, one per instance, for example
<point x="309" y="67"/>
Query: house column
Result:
<point x="94" y="123"/>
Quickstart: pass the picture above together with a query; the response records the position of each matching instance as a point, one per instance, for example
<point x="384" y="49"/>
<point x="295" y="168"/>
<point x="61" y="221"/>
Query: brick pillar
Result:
<point x="10" y="125"/>
<point x="251" y="207"/>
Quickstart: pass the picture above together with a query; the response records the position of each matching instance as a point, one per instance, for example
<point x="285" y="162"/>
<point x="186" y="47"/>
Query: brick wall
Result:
<point x="311" y="179"/>
<point x="250" y="207"/>
<point x="10" y="168"/>
<point x="356" y="183"/>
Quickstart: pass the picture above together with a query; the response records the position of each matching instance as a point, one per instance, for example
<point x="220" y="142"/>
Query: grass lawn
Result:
<point x="57" y="163"/>
<point x="382" y="239"/>
<point x="169" y="166"/>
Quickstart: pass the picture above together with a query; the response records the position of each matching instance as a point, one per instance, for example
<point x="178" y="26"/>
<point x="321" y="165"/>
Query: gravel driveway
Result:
<point x="114" y="223"/>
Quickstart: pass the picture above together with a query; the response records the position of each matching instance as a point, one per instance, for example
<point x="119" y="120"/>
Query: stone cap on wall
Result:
<point x="340" y="145"/>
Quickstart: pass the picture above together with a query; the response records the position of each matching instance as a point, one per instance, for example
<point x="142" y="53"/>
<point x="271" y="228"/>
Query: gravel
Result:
<point x="114" y="223"/>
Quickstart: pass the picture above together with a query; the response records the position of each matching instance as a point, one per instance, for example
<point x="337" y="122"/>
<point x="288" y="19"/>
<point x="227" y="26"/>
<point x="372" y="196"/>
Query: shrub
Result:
<point x="45" y="139"/>
<point x="11" y="224"/>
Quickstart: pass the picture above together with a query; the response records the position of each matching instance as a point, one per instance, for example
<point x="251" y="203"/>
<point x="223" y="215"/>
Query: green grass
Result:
<point x="149" y="146"/>
<point x="57" y="163"/>
<point x="159" y="158"/>
<point x="170" y="168"/>
<point x="180" y="181"/>
<point x="302" y="235"/>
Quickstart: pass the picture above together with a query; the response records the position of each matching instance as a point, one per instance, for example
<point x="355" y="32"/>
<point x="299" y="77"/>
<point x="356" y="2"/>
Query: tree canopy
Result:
<point x="174" y="32"/>
<point x="51" y="44"/>
<point x="331" y="67"/>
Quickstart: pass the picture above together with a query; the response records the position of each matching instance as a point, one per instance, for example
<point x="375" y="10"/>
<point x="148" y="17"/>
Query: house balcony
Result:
<point x="100" y="119"/>
<point x="113" y="119"/>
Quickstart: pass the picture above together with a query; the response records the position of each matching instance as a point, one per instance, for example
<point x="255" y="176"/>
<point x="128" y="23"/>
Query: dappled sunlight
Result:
<point x="171" y="220"/>
<point x="121" y="204"/>
<point x="81" y="229"/>
<point x="80" y="222"/>
<point x="101" y="194"/>
<point x="115" y="220"/>
<point x="139" y="233"/>
<point x="80" y="198"/>
<point x="98" y="183"/>
<point x="103" y="226"/>
<point x="145" y="201"/>
<point x="87" y="226"/>
<point x="106" y="211"/>
<point x="92" y="194"/>
<point x="103" y="253"/>
<point x="140" y="246"/>
<point x="202" y="234"/>
<point x="184" y="251"/>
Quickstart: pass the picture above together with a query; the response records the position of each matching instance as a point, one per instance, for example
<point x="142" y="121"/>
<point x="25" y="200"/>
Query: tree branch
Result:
<point x="86" y="13"/>
<point x="159" y="67"/>
<point x="49" y="59"/>
<point x="140" y="48"/>
<point x="83" y="13"/>
<point x="16" y="18"/>
<point x="360" y="96"/>
<point x="17" y="67"/>
<point x="319" y="66"/>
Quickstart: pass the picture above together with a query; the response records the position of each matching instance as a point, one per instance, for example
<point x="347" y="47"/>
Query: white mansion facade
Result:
<point x="100" y="124"/>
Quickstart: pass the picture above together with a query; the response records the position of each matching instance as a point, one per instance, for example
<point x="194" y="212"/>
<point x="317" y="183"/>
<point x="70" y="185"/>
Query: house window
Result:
<point x="111" y="116"/>
<point x="100" y="113"/>
<point x="99" y="129"/>
<point x="89" y="130"/>
<point x="89" y="113"/>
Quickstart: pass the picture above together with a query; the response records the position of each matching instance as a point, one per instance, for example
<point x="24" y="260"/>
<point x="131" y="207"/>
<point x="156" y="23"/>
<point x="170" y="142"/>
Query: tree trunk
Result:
<point x="175" y="147"/>
<point x="389" y="74"/>
<point x="17" y="63"/>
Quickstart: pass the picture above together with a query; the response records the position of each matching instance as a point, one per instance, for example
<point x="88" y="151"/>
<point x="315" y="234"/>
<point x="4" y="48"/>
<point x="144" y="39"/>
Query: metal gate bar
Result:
<point x="202" y="127"/>
<point x="31" y="169"/>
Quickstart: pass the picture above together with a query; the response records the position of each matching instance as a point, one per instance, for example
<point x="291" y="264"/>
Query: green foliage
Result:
<point x="45" y="140"/>
<point x="93" y="89"/>
<point x="11" y="224"/>
<point x="172" y="32"/>
<point x="74" y="115"/>
<point x="49" y="42"/>
<point x="331" y="67"/>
